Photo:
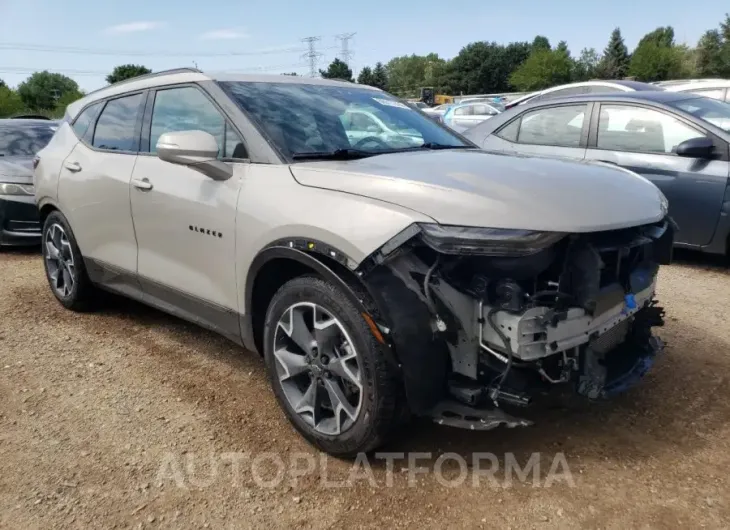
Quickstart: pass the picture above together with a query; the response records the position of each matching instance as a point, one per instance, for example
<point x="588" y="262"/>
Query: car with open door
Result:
<point x="378" y="278"/>
<point x="679" y="141"/>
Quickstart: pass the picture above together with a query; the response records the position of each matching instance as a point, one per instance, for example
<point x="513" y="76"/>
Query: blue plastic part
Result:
<point x="630" y="301"/>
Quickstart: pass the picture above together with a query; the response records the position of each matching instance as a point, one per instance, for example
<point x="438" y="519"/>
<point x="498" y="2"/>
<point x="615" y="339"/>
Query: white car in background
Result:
<point x="710" y="88"/>
<point x="361" y="124"/>
<point x="598" y="86"/>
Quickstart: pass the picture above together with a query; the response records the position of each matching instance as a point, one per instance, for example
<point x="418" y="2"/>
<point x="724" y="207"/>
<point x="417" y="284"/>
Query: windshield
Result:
<point x="711" y="110"/>
<point x="302" y="118"/>
<point x="24" y="140"/>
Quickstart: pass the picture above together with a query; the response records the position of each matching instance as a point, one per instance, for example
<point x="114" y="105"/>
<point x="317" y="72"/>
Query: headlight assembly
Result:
<point x="10" y="188"/>
<point x="475" y="241"/>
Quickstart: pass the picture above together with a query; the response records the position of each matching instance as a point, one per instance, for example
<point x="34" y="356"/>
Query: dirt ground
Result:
<point x="131" y="418"/>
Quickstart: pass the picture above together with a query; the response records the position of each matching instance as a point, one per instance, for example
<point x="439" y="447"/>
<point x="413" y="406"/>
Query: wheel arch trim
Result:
<point x="309" y="259"/>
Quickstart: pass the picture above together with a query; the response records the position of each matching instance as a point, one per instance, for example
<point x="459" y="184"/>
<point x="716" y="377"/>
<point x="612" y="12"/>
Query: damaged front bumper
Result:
<point x="479" y="336"/>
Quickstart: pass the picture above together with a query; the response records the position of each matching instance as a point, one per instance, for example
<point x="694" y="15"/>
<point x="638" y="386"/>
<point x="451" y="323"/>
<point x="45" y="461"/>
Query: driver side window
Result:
<point x="187" y="108"/>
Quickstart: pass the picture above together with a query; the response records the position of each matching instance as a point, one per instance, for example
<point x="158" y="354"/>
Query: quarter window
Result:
<point x="84" y="120"/>
<point x="557" y="126"/>
<point x="510" y="132"/>
<point x="187" y="109"/>
<point x="627" y="128"/>
<point x="115" y="129"/>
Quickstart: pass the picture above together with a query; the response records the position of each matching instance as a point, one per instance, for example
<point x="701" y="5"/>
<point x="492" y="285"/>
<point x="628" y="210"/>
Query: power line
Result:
<point x="312" y="54"/>
<point x="345" y="52"/>
<point x="71" y="71"/>
<point x="141" y="53"/>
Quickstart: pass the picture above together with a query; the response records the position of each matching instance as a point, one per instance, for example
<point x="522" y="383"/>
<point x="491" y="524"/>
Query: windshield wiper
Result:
<point x="434" y="145"/>
<point x="337" y="154"/>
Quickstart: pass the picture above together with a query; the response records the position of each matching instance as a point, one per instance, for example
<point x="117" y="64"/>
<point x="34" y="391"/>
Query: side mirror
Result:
<point x="701" y="147"/>
<point x="196" y="149"/>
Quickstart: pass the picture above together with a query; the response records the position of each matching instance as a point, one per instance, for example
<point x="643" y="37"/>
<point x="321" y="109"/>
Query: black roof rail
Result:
<point x="151" y="74"/>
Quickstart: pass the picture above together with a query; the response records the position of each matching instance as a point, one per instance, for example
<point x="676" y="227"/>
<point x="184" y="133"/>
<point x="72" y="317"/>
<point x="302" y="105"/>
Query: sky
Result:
<point x="85" y="39"/>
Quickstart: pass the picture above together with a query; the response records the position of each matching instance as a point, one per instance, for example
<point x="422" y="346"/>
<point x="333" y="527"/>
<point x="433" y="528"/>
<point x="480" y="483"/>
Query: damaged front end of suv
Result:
<point x="484" y="321"/>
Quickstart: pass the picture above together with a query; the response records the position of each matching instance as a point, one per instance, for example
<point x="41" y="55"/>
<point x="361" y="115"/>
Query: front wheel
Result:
<point x="328" y="372"/>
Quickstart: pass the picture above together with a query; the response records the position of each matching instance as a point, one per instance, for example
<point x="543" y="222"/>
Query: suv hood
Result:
<point x="16" y="169"/>
<point x="477" y="188"/>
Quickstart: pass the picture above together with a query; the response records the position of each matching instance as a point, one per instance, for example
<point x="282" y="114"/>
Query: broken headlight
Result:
<point x="474" y="241"/>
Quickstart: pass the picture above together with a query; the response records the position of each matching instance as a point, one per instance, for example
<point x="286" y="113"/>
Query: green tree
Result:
<point x="337" y="70"/>
<point x="615" y="61"/>
<point x="126" y="71"/>
<point x="2" y="84"/>
<point x="542" y="69"/>
<point x="563" y="48"/>
<point x="408" y="73"/>
<point x="63" y="102"/>
<point x="656" y="58"/>
<point x="663" y="36"/>
<point x="653" y="62"/>
<point x="10" y="102"/>
<point x="584" y="68"/>
<point x="484" y="67"/>
<point x="366" y="76"/>
<point x="710" y="55"/>
<point x="42" y="90"/>
<point x="540" y="43"/>
<point x="380" y="76"/>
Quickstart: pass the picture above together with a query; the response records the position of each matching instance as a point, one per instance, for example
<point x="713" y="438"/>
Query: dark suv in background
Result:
<point x="20" y="140"/>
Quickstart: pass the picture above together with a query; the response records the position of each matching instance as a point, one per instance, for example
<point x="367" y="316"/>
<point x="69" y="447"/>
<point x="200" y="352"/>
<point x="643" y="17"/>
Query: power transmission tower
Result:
<point x="345" y="52"/>
<point x="312" y="54"/>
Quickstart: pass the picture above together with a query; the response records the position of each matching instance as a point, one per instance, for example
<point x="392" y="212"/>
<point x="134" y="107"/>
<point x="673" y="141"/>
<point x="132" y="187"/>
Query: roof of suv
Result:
<point x="192" y="75"/>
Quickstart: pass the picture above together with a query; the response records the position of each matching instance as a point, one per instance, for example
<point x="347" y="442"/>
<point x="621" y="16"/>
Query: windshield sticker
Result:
<point x="391" y="103"/>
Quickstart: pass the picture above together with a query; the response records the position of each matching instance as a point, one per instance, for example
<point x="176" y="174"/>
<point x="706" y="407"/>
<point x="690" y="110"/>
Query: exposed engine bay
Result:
<point x="482" y="327"/>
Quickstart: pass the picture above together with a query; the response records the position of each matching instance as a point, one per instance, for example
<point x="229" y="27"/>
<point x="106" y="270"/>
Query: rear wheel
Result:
<point x="327" y="371"/>
<point x="64" y="265"/>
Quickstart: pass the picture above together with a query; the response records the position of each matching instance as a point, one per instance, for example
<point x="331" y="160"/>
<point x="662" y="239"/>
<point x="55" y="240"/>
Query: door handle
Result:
<point x="74" y="167"/>
<point x="142" y="184"/>
<point x="608" y="162"/>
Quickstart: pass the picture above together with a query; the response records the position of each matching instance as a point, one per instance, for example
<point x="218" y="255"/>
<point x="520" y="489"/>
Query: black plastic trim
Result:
<point x="278" y="251"/>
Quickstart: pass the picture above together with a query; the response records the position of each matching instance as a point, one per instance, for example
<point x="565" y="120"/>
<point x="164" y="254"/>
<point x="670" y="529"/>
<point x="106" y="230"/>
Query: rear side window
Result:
<point x="557" y="126"/>
<point x="116" y="128"/>
<point x="464" y="111"/>
<point x="85" y="119"/>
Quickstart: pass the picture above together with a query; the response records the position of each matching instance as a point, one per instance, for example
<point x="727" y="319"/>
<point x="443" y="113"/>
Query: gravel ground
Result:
<point x="131" y="418"/>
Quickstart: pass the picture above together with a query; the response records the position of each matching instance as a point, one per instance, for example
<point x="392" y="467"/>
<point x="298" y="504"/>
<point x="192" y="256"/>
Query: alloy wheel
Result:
<point x="59" y="260"/>
<point x="318" y="368"/>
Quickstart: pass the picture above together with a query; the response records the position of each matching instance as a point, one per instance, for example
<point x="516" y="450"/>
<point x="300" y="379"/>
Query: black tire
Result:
<point x="382" y="403"/>
<point x="82" y="295"/>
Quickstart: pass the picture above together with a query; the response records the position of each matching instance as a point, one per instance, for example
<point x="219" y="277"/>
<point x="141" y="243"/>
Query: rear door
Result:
<point x="644" y="139"/>
<point x="559" y="131"/>
<point x="93" y="189"/>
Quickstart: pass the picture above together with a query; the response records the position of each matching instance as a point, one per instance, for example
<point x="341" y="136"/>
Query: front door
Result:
<point x="184" y="220"/>
<point x="643" y="140"/>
